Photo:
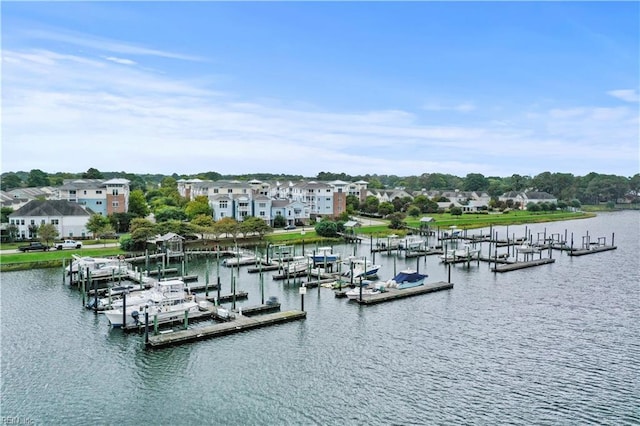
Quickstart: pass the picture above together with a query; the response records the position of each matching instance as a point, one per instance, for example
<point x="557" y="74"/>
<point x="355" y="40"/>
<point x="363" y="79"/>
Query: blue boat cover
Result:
<point x="408" y="277"/>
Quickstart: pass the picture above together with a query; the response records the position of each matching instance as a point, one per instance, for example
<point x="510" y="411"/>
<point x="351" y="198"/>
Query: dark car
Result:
<point x="288" y="227"/>
<point x="34" y="247"/>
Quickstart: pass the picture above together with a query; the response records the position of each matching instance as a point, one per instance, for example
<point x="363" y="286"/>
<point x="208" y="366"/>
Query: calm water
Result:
<point x="556" y="344"/>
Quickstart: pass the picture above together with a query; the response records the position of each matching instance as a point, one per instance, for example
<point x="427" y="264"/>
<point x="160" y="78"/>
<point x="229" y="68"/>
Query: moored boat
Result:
<point x="358" y="267"/>
<point x="98" y="267"/>
<point x="406" y="279"/>
<point x="168" y="300"/>
<point x="324" y="254"/>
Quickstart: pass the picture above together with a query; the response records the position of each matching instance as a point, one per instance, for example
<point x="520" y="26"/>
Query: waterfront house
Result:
<point x="526" y="197"/>
<point x="70" y="218"/>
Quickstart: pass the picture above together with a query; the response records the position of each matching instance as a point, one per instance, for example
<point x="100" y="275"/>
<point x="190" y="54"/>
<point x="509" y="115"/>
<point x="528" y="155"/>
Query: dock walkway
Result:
<point x="241" y="323"/>
<point x="393" y="293"/>
<point x="521" y="265"/>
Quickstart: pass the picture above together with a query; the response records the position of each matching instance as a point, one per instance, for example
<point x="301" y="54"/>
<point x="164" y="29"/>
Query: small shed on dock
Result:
<point x="169" y="242"/>
<point x="350" y="226"/>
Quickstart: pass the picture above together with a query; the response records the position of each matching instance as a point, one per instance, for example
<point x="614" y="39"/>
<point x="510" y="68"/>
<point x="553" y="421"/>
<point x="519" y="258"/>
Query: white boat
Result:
<point x="463" y="252"/>
<point x="412" y="242"/>
<point x="392" y="242"/>
<point x="98" y="266"/>
<point x="406" y="279"/>
<point x="244" y="258"/>
<point x="360" y="267"/>
<point x="467" y="251"/>
<point x="366" y="293"/>
<point x="324" y="254"/>
<point x="168" y="300"/>
<point x="297" y="264"/>
<point x="526" y="248"/>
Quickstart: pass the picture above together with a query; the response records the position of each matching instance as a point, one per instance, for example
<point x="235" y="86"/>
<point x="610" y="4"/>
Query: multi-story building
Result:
<point x="104" y="197"/>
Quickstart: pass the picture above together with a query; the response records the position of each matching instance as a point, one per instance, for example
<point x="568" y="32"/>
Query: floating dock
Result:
<point x="393" y="293"/>
<point x="241" y="323"/>
<point x="224" y="298"/>
<point x="522" y="265"/>
<point x="590" y="250"/>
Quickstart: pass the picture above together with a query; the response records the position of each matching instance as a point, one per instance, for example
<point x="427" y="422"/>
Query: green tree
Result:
<point x="98" y="225"/>
<point x="138" y="204"/>
<point x="455" y="211"/>
<point x="254" y="225"/>
<point x="10" y="181"/>
<point x="202" y="224"/>
<point x="12" y="232"/>
<point x="279" y="221"/>
<point x="166" y="213"/>
<point x="371" y="204"/>
<point x="533" y="207"/>
<point x="198" y="206"/>
<point x="353" y="202"/>
<point x="562" y="205"/>
<point x="141" y="230"/>
<point x="47" y="233"/>
<point x="386" y="208"/>
<point x="92" y="173"/>
<point x="396" y="220"/>
<point x="413" y="211"/>
<point x="475" y="182"/>
<point x="326" y="228"/>
<point x="37" y="178"/>
<point x="227" y="226"/>
<point x="121" y="221"/>
<point x="6" y="211"/>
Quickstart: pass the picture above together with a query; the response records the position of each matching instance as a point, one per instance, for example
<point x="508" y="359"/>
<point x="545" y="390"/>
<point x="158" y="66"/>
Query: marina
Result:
<point x="569" y="324"/>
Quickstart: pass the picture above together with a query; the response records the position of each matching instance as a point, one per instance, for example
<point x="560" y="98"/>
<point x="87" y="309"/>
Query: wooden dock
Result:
<point x="224" y="298"/>
<point x="591" y="250"/>
<point x="522" y="265"/>
<point x="241" y="323"/>
<point x="179" y="319"/>
<point x="394" y="294"/>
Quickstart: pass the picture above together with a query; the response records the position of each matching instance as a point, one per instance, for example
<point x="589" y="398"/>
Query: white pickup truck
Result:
<point x="67" y="244"/>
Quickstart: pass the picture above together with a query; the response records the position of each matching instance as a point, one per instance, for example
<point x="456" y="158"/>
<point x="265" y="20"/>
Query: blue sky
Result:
<point x="400" y="88"/>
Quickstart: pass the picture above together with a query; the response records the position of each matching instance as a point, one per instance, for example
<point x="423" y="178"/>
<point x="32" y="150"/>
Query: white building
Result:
<point x="68" y="217"/>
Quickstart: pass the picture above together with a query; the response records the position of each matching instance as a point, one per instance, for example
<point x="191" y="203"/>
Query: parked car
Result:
<point x="67" y="244"/>
<point x="288" y="227"/>
<point x="34" y="247"/>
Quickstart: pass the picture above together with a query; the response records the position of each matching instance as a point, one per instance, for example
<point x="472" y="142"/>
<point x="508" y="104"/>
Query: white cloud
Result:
<point x="628" y="95"/>
<point x="120" y="60"/>
<point x="66" y="113"/>
<point x="462" y="107"/>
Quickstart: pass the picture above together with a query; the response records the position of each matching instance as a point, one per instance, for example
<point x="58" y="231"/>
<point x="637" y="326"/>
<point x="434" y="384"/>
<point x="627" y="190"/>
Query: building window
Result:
<point x="12" y="222"/>
<point x="262" y="205"/>
<point x="33" y="222"/>
<point x="99" y="191"/>
<point x="215" y="190"/>
<point x="243" y="214"/>
<point x="262" y="214"/>
<point x="84" y="192"/>
<point x="221" y="214"/>
<point x="115" y="204"/>
<point x="72" y="192"/>
<point x="114" y="191"/>
<point x="223" y="204"/>
<point x="230" y="190"/>
<point x="21" y="221"/>
<point x="55" y="222"/>
<point x="98" y="203"/>
<point x="42" y="222"/>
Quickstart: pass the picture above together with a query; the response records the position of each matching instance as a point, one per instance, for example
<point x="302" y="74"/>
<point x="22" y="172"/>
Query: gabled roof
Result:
<point x="51" y="208"/>
<point x="539" y="195"/>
